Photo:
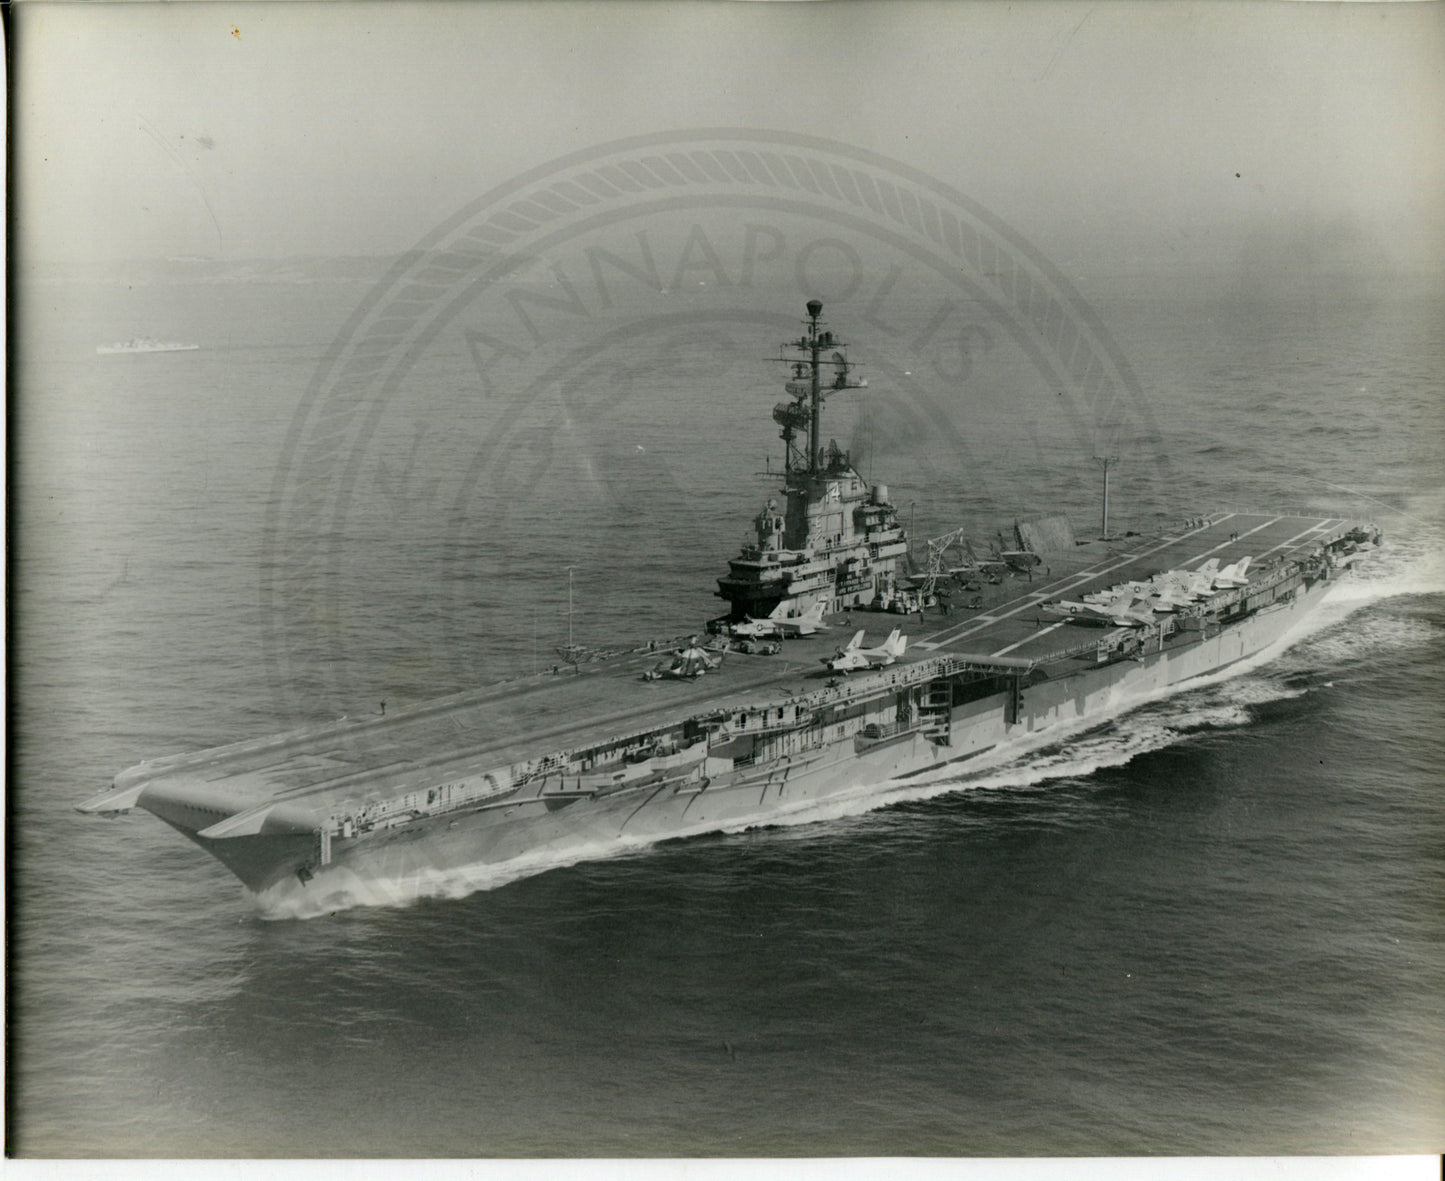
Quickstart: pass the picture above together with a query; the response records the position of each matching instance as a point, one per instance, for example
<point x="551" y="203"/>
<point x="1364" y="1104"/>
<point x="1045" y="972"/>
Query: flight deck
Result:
<point x="1015" y="626"/>
<point x="573" y="707"/>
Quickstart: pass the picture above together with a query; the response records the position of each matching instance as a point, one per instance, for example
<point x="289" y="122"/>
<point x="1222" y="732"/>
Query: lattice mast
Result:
<point x="809" y="386"/>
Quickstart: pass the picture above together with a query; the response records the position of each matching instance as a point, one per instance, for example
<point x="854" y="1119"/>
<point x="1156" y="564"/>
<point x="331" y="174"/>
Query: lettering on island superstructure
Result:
<point x="836" y="541"/>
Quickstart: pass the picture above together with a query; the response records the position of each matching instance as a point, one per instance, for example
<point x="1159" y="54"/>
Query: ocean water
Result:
<point x="1213" y="925"/>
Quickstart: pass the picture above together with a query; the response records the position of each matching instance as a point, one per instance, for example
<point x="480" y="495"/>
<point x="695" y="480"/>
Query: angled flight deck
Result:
<point x="505" y="723"/>
<point x="1015" y="628"/>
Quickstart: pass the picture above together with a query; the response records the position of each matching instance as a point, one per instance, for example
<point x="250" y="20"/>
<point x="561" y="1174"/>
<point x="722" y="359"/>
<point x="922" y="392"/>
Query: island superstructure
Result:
<point x="734" y="731"/>
<point x="835" y="542"/>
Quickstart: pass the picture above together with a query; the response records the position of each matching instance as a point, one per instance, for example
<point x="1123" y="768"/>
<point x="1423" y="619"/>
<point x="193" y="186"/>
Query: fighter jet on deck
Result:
<point x="806" y="624"/>
<point x="1119" y="611"/>
<point x="855" y="656"/>
<point x="781" y="627"/>
<point x="1232" y="576"/>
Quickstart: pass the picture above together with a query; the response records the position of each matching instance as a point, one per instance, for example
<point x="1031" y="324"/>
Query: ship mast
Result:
<point x="815" y="444"/>
<point x="808" y="390"/>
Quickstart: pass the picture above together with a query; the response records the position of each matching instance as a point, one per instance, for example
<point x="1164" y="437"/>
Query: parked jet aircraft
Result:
<point x="806" y="624"/>
<point x="1234" y="575"/>
<point x="1231" y="576"/>
<point x="1119" y="611"/>
<point x="777" y="625"/>
<point x="1196" y="585"/>
<point x="756" y="629"/>
<point x="1166" y="596"/>
<point x="855" y="656"/>
<point x="1171" y="589"/>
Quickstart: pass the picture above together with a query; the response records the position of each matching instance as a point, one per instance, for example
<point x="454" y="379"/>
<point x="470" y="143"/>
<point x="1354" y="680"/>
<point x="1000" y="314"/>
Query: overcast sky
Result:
<point x="1152" y="134"/>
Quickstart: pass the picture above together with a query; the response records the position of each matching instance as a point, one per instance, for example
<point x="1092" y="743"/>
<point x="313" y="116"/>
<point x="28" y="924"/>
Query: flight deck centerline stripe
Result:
<point x="1041" y="632"/>
<point x="1083" y="576"/>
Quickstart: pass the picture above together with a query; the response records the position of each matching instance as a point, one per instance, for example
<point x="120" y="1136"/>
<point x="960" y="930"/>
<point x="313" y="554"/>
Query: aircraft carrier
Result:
<point x="764" y="712"/>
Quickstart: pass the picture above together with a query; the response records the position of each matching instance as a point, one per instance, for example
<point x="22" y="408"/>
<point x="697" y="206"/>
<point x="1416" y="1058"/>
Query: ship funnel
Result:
<point x="880" y="493"/>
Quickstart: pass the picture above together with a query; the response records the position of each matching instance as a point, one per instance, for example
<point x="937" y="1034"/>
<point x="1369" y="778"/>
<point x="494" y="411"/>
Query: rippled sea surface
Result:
<point x="1213" y="925"/>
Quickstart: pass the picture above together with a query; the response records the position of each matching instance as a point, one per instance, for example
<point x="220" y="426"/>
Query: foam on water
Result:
<point x="1059" y="753"/>
<point x="342" y="888"/>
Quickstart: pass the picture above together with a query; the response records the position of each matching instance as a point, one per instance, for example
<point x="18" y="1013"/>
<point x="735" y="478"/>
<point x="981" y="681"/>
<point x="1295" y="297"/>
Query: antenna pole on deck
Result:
<point x="1106" y="461"/>
<point x="569" y="604"/>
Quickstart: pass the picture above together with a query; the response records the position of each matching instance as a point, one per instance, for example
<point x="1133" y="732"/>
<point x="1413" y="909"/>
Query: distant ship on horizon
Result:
<point x="146" y="344"/>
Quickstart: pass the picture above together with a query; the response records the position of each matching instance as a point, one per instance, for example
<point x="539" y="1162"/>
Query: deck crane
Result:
<point x="937" y="549"/>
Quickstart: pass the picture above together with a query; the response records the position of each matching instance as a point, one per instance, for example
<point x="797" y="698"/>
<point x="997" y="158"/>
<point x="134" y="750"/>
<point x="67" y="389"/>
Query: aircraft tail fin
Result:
<point x="1236" y="571"/>
<point x="893" y="646"/>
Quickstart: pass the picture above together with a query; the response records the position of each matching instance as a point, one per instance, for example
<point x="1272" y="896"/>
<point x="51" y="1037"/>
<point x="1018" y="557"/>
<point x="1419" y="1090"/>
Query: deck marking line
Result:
<point x="1041" y="632"/>
<point x="1312" y="529"/>
<point x="1087" y="575"/>
<point x="1233" y="540"/>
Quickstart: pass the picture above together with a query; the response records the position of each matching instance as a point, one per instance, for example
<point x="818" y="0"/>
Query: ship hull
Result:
<point x="494" y="783"/>
<point x="542" y="830"/>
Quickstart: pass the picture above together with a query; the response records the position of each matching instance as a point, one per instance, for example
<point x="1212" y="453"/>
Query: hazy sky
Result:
<point x="1112" y="136"/>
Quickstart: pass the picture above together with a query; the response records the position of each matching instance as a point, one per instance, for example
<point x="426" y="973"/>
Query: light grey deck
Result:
<point x="506" y="723"/>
